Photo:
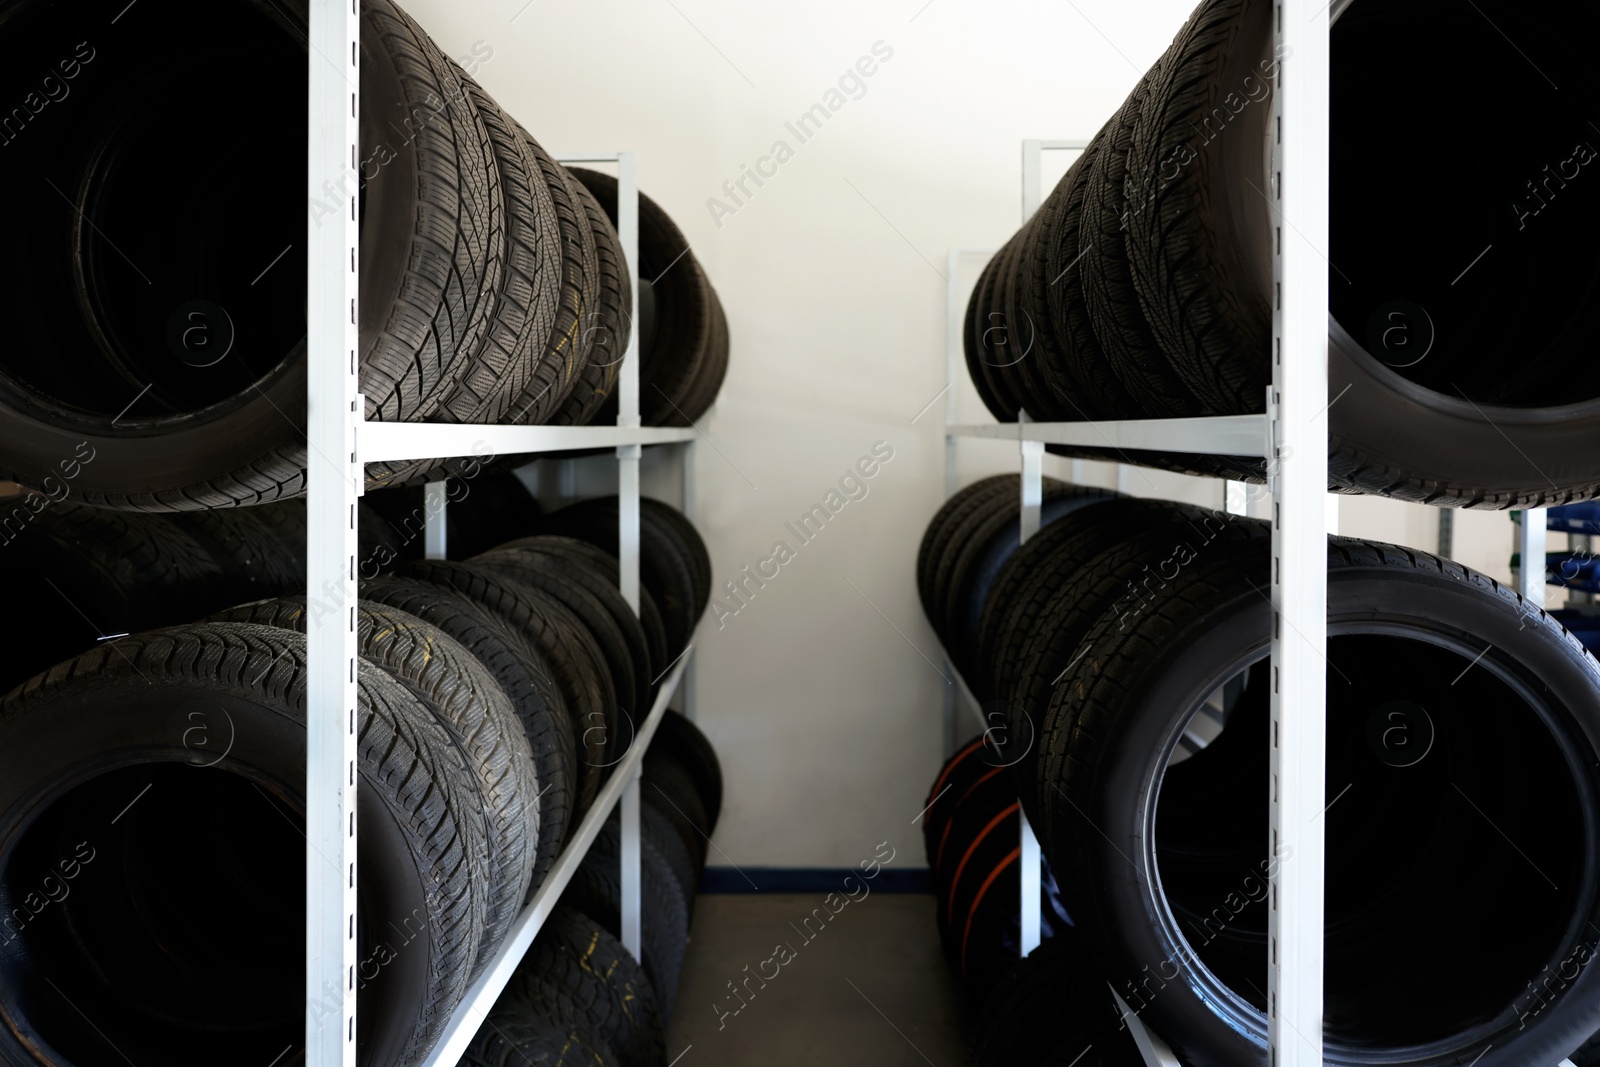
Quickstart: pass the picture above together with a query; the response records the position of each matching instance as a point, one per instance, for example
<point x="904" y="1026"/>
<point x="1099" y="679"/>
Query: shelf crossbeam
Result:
<point x="479" y="998"/>
<point x="393" y="442"/>
<point x="1228" y="435"/>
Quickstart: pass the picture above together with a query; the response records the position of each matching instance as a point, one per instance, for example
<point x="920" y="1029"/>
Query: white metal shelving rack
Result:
<point x="1292" y="438"/>
<point x="340" y="442"/>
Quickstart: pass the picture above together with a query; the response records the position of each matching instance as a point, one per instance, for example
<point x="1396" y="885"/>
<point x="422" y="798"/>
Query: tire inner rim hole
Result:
<point x="174" y="930"/>
<point x="1476" y="821"/>
<point x="1484" y="286"/>
<point x="163" y="253"/>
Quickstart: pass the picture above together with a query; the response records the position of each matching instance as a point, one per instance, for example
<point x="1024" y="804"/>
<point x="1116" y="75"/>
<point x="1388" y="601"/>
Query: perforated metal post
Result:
<point x="1297" y="463"/>
<point x="333" y="484"/>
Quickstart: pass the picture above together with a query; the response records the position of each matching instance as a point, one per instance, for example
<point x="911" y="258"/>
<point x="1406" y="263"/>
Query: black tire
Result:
<point x="978" y="566"/>
<point x="991" y="346"/>
<point x="1053" y="1010"/>
<point x="1519" y="745"/>
<point x="596" y="891"/>
<point x="978" y="883"/>
<point x="576" y="666"/>
<point x="468" y="702"/>
<point x="673" y="562"/>
<point x="694" y="753"/>
<point x="664" y="839"/>
<point x="1196" y="258"/>
<point x="1090" y="386"/>
<point x="389" y="529"/>
<point x="89" y="574"/>
<point x="512" y="358"/>
<point x="941" y="528"/>
<point x="525" y="678"/>
<point x="1119" y="556"/>
<point x="1434" y="429"/>
<point x="518" y="1034"/>
<point x="285" y="520"/>
<point x="1108" y="281"/>
<point x="599" y="603"/>
<point x="1038" y="374"/>
<point x="709" y="376"/>
<point x="958" y="772"/>
<point x="559" y="356"/>
<point x="994" y="664"/>
<point x="130" y="425"/>
<point x="486" y="510"/>
<point x="964" y="522"/>
<point x="578" y="956"/>
<point x="603" y="340"/>
<point x="670" y="786"/>
<point x="252" y="556"/>
<point x="683" y="319"/>
<point x="87" y="739"/>
<point x="676" y="525"/>
<point x="592" y="559"/>
<point x="973" y="323"/>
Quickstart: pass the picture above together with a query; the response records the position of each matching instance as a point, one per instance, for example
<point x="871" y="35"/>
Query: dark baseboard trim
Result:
<point x="813" y="880"/>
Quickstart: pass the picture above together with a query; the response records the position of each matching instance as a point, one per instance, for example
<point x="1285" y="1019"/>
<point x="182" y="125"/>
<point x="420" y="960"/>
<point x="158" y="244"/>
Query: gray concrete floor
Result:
<point x="868" y="988"/>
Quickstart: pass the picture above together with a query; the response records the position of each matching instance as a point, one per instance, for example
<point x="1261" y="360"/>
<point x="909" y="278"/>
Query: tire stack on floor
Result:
<point x="1143" y="285"/>
<point x="971" y="837"/>
<point x="493" y="284"/>
<point x="578" y="994"/>
<point x="495" y="695"/>
<point x="1121" y="658"/>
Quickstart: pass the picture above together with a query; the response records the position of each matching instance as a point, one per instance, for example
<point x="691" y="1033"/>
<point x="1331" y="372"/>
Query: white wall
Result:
<point x="822" y="695"/>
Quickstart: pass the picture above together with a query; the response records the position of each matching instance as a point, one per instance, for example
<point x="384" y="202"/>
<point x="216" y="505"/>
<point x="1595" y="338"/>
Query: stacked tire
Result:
<point x="1143" y="286"/>
<point x="971" y="838"/>
<point x="578" y="996"/>
<point x="493" y="284"/>
<point x="1122" y="657"/>
<point x="495" y="695"/>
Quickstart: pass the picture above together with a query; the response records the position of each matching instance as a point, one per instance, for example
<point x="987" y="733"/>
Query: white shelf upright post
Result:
<point x="435" y="540"/>
<point x="952" y="413"/>
<point x="1298" y="466"/>
<point x="628" y="536"/>
<point x="1532" y="537"/>
<point x="334" y="481"/>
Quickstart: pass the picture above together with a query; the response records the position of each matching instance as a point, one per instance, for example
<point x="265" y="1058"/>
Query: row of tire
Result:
<point x="1121" y="661"/>
<point x="578" y="996"/>
<point x="495" y="694"/>
<point x="493" y="285"/>
<point x="971" y="837"/>
<point x="1143" y="286"/>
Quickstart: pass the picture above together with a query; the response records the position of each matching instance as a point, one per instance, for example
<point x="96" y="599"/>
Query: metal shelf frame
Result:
<point x="1292" y="437"/>
<point x="340" y="441"/>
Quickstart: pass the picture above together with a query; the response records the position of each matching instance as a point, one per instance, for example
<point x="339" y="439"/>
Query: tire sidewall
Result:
<point x="1211" y="1031"/>
<point x="79" y="734"/>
